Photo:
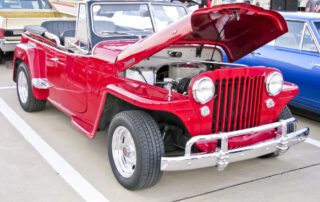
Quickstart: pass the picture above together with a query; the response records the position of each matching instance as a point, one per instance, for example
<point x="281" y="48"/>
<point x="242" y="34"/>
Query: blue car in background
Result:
<point x="297" y="55"/>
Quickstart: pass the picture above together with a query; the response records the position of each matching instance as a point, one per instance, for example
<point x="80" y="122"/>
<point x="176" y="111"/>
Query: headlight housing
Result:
<point x="203" y="90"/>
<point x="274" y="83"/>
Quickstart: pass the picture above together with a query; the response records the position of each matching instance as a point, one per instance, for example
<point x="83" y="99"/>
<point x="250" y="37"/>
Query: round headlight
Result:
<point x="274" y="83"/>
<point x="203" y="90"/>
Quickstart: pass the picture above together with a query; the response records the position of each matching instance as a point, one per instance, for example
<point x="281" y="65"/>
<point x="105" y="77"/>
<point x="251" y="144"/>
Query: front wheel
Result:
<point x="135" y="148"/>
<point x="24" y="90"/>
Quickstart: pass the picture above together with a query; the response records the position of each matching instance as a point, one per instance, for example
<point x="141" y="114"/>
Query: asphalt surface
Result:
<point x="26" y="176"/>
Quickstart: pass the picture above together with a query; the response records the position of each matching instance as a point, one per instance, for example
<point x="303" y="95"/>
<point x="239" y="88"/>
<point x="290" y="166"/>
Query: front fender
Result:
<point x="150" y="98"/>
<point x="35" y="61"/>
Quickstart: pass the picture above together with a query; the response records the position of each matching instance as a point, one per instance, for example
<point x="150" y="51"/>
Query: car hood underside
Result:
<point x="238" y="28"/>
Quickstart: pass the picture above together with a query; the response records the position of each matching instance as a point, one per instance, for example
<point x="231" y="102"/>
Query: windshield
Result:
<point x="317" y="25"/>
<point x="24" y="4"/>
<point x="132" y="19"/>
<point x="165" y="15"/>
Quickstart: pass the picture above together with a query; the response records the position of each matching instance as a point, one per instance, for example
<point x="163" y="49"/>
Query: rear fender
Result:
<point x="35" y="60"/>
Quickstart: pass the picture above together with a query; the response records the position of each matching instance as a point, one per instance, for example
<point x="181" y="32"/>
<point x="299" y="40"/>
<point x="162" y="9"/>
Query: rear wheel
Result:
<point x="292" y="127"/>
<point x="24" y="90"/>
<point x="135" y="148"/>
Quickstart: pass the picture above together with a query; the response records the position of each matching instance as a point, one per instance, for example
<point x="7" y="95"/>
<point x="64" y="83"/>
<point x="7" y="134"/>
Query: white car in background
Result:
<point x="16" y="14"/>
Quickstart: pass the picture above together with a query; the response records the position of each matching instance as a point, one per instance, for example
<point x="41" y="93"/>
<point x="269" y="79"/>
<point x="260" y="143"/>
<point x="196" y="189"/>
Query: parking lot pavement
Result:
<point x="290" y="177"/>
<point x="5" y="76"/>
<point x="24" y="175"/>
<point x="296" y="185"/>
<point x="313" y="125"/>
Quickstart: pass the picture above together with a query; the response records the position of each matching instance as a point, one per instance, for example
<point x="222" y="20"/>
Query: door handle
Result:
<point x="54" y="59"/>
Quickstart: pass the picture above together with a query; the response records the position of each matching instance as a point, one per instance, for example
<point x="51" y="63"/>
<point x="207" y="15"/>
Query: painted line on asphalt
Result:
<point x="7" y="87"/>
<point x="313" y="142"/>
<point x="61" y="166"/>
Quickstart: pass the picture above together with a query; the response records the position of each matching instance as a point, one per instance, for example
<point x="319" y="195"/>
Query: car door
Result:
<point x="297" y="55"/>
<point x="72" y="68"/>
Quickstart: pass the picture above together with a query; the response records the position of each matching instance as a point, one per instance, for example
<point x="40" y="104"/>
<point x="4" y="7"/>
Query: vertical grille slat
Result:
<point x="217" y="109"/>
<point x="256" y="95"/>
<point x="242" y="103"/>
<point x="252" y="99"/>
<point x="261" y="86"/>
<point x="231" y="104"/>
<point x="237" y="103"/>
<point x="226" y="88"/>
<point x="247" y="103"/>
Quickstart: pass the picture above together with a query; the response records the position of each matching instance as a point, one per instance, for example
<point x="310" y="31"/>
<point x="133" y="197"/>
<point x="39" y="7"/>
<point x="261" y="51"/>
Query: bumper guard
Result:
<point x="224" y="156"/>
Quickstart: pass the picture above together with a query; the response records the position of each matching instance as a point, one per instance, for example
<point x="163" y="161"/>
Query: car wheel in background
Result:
<point x="292" y="127"/>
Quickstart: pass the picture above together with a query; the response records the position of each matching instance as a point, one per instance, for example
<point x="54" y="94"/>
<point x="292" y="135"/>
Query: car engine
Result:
<point x="176" y="76"/>
<point x="185" y="63"/>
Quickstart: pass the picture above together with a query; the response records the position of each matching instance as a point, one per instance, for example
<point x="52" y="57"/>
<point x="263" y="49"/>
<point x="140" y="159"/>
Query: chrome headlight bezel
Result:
<point x="204" y="84"/>
<point x="274" y="79"/>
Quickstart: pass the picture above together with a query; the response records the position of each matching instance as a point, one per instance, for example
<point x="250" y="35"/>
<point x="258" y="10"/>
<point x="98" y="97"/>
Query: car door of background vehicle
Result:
<point x="297" y="56"/>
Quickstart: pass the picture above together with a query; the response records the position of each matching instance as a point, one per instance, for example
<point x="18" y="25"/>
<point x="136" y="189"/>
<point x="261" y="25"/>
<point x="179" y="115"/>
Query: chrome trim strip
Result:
<point x="224" y="156"/>
<point x="303" y="32"/>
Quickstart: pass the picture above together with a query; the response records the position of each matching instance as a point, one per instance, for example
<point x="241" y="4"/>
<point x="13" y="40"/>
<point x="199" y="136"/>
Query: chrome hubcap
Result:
<point x="22" y="87"/>
<point x="124" y="151"/>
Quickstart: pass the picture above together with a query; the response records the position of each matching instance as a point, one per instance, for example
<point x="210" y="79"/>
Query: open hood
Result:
<point x="238" y="28"/>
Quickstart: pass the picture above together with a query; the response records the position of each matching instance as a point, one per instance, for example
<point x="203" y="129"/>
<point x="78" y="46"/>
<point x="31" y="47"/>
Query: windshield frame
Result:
<point x="149" y="5"/>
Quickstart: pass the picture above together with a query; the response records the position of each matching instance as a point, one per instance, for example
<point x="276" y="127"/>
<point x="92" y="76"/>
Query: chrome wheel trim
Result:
<point x="124" y="151"/>
<point x="23" y="87"/>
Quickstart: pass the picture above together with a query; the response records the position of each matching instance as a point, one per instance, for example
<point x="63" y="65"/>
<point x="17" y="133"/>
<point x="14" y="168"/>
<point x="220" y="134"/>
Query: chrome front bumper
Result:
<point x="224" y="156"/>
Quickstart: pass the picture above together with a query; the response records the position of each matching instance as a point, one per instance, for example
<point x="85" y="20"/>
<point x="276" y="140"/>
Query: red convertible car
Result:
<point x="151" y="76"/>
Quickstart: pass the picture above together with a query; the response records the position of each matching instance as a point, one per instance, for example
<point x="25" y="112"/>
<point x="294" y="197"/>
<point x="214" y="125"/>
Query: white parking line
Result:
<point x="7" y="87"/>
<point x="313" y="142"/>
<point x="61" y="166"/>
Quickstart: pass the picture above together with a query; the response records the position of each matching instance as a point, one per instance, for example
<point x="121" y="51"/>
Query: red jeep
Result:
<point x="152" y="75"/>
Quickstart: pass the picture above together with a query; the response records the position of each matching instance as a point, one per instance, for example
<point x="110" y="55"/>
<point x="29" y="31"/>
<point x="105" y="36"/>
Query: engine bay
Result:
<point x="174" y="68"/>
